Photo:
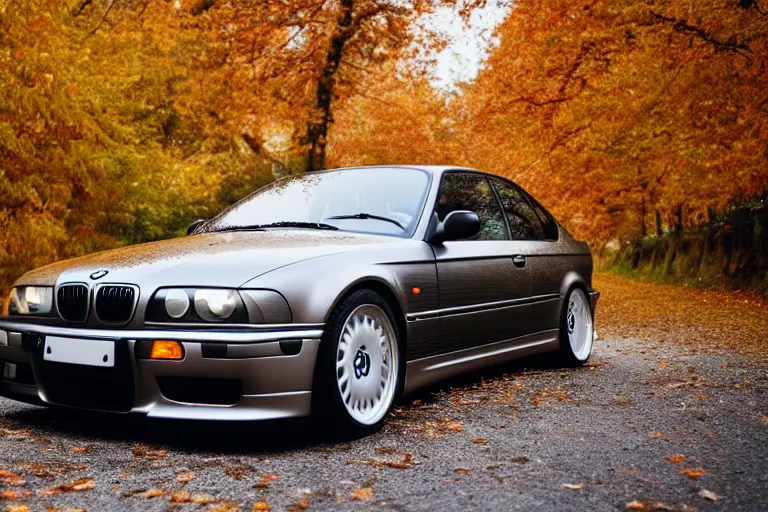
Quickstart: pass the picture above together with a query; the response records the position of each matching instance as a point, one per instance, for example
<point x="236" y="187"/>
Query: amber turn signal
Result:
<point x="416" y="290"/>
<point x="166" y="349"/>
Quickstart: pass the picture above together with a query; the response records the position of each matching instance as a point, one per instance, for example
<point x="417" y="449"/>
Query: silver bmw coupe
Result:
<point x="329" y="294"/>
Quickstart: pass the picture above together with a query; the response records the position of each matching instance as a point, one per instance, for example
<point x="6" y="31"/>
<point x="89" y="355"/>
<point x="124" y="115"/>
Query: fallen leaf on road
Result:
<point x="573" y="486"/>
<point x="261" y="506"/>
<point x="154" y="493"/>
<point x="693" y="472"/>
<point x="266" y="480"/>
<point x="185" y="477"/>
<point x="709" y="495"/>
<point x="520" y="460"/>
<point x="764" y="420"/>
<point x="302" y="504"/>
<point x="203" y="499"/>
<point x="462" y="470"/>
<point x="187" y="497"/>
<point x="48" y="470"/>
<point x="224" y="506"/>
<point x="237" y="472"/>
<point x="142" y="451"/>
<point x="636" y="505"/>
<point x="363" y="494"/>
<point x="18" y="508"/>
<point x="79" y="449"/>
<point x="677" y="458"/>
<point x="17" y="434"/>
<point x="181" y="497"/>
<point x="406" y="463"/>
<point x="8" y="478"/>
<point x="655" y="435"/>
<point x="454" y="426"/>
<point x="480" y="441"/>
<point x="84" y="484"/>
<point x="433" y="430"/>
<point x="13" y="495"/>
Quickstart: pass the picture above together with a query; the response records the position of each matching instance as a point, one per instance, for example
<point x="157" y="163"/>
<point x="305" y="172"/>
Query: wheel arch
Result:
<point x="573" y="280"/>
<point x="386" y="291"/>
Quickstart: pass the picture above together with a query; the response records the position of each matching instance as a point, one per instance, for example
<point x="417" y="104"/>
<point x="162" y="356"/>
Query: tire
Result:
<point x="360" y="369"/>
<point x="576" y="328"/>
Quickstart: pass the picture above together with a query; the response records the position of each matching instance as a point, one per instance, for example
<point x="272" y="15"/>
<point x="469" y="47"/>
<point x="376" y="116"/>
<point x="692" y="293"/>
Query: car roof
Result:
<point x="432" y="169"/>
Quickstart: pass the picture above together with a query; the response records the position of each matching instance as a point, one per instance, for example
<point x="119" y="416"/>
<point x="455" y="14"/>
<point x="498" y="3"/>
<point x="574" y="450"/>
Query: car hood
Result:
<point x="227" y="259"/>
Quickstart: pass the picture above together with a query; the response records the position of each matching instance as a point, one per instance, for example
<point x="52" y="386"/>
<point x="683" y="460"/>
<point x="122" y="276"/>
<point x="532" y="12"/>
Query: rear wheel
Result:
<point x="576" y="330"/>
<point x="359" y="369"/>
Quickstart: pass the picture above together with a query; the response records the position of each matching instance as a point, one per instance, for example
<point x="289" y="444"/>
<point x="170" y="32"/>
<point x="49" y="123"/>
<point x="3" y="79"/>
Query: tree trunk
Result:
<point x="679" y="223"/>
<point x="659" y="231"/>
<point x="643" y="231"/>
<point x="317" y="128"/>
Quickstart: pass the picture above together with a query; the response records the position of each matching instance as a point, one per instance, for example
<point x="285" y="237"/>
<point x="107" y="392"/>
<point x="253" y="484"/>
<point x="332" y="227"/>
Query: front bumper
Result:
<point x="272" y="371"/>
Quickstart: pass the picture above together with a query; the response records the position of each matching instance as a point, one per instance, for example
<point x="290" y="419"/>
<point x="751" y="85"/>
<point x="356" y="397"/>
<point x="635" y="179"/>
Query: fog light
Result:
<point x="165" y="349"/>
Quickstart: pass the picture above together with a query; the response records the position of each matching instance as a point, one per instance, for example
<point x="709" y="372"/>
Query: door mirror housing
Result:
<point x="192" y="227"/>
<point x="457" y="225"/>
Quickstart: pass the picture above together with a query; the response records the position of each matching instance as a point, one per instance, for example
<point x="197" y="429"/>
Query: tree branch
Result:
<point x="103" y="18"/>
<point x="81" y="7"/>
<point x="684" y="27"/>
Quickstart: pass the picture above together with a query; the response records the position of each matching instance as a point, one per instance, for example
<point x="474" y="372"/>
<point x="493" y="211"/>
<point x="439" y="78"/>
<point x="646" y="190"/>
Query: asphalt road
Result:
<point x="618" y="431"/>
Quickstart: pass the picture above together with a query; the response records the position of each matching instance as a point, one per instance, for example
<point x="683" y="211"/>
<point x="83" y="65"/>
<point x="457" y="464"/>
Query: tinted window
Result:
<point x="460" y="191"/>
<point x="397" y="194"/>
<point x="551" y="231"/>
<point x="523" y="221"/>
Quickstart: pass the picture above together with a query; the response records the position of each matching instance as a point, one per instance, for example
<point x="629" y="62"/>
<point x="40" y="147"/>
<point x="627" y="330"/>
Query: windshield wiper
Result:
<point x="284" y="224"/>
<point x="369" y="216"/>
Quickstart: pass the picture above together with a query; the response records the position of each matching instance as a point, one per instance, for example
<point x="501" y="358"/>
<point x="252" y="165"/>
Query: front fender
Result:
<point x="313" y="287"/>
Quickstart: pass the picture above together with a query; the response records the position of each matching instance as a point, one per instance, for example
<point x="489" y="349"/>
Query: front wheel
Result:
<point x="358" y="373"/>
<point x="576" y="329"/>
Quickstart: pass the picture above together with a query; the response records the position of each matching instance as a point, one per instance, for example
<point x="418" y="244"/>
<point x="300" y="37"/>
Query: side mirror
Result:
<point x="458" y="225"/>
<point x="192" y="227"/>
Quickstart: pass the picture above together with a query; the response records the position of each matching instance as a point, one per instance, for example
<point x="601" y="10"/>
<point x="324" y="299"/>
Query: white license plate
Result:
<point x="79" y="351"/>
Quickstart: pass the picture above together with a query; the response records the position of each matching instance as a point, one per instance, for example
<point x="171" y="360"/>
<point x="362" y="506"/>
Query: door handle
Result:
<point x="519" y="261"/>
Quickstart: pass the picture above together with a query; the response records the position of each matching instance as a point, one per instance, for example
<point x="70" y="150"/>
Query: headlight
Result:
<point x="30" y="300"/>
<point x="196" y="305"/>
<point x="221" y="305"/>
<point x="213" y="305"/>
<point x="176" y="303"/>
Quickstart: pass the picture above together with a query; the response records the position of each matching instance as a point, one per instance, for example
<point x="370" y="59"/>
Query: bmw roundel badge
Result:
<point x="99" y="274"/>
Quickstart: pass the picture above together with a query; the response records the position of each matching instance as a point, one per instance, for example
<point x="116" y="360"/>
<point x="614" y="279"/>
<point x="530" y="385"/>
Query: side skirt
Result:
<point x="428" y="370"/>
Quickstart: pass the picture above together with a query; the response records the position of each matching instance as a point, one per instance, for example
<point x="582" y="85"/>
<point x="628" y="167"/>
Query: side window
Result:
<point x="462" y="191"/>
<point x="523" y="221"/>
<point x="551" y="232"/>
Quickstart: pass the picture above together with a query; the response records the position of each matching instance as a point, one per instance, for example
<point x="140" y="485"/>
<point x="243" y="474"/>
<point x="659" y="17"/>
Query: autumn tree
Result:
<point x="276" y="72"/>
<point x="617" y="112"/>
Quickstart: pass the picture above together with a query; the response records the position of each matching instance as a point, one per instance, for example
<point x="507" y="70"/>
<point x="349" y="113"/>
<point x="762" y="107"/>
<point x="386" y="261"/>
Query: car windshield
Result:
<point x="386" y="201"/>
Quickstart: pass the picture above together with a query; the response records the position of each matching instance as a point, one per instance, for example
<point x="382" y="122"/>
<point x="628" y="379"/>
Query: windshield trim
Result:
<point x="409" y="233"/>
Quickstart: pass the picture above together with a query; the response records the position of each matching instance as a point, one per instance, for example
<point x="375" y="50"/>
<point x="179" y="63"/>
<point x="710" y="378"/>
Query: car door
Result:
<point x="529" y="222"/>
<point x="483" y="290"/>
